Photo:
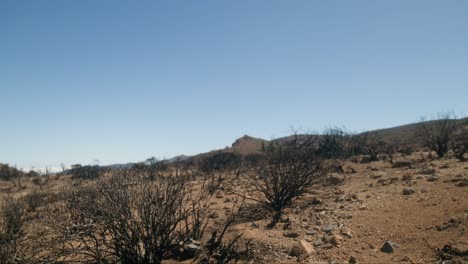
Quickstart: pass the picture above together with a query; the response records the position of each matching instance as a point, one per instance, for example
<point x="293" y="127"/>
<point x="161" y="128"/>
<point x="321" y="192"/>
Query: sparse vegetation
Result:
<point x="192" y="210"/>
<point x="460" y="145"/>
<point x="11" y="228"/>
<point x="130" y="217"/>
<point x="86" y="172"/>
<point x="284" y="173"/>
<point x="436" y="135"/>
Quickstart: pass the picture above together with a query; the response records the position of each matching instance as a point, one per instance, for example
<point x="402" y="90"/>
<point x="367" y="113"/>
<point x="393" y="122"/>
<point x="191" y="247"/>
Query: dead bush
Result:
<point x="34" y="200"/>
<point x="130" y="217"/>
<point x="284" y="173"/>
<point x="436" y="134"/>
<point x="460" y="145"/>
<point x="11" y="229"/>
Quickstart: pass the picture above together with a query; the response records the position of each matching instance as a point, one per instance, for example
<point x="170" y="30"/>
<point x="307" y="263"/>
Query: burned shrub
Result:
<point x="130" y="217"/>
<point x="459" y="145"/>
<point x="285" y="173"/>
<point x="88" y="172"/>
<point x="437" y="134"/>
<point x="11" y="229"/>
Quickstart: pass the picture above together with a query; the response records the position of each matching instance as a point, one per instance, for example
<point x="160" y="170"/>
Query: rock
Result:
<point x="407" y="177"/>
<point x="388" y="247"/>
<point x="213" y="215"/>
<point x="316" y="200"/>
<point x="427" y="171"/>
<point x="408" y="191"/>
<point x="401" y="164"/>
<point x="311" y="232"/>
<point x="290" y="234"/>
<point x="329" y="228"/>
<point x="302" y="250"/>
<point x="219" y="194"/>
<point x="340" y="198"/>
<point x="352" y="260"/>
<point x="346" y="232"/>
<point x="192" y="248"/>
<point x="432" y="178"/>
<point x="462" y="183"/>
<point x="378" y="175"/>
<point x="318" y="242"/>
<point x="337" y="240"/>
<point x="444" y="166"/>
<point x="326" y="238"/>
<point x="363" y="207"/>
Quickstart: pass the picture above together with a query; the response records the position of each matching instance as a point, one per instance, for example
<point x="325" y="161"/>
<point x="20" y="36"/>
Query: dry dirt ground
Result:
<point x="370" y="208"/>
<point x="420" y="206"/>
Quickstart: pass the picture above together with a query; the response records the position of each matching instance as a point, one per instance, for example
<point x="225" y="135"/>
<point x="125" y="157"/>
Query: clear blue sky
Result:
<point x="121" y="81"/>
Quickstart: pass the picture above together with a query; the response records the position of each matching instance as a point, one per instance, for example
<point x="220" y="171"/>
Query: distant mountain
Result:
<point x="120" y="166"/>
<point x="408" y="132"/>
<point x="176" y="159"/>
<point x="247" y="145"/>
<point x="250" y="145"/>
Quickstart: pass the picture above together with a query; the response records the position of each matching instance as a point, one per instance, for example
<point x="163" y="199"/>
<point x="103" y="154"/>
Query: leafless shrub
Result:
<point x="284" y="173"/>
<point x="88" y="172"/>
<point x="130" y="217"/>
<point x="40" y="181"/>
<point x="11" y="229"/>
<point x="219" y="250"/>
<point x="332" y="144"/>
<point x="436" y="135"/>
<point x="373" y="146"/>
<point x="459" y="145"/>
<point x="34" y="200"/>
<point x="215" y="167"/>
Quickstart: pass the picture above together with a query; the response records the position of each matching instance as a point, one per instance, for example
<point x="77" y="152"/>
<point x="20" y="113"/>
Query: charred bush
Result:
<point x="285" y="173"/>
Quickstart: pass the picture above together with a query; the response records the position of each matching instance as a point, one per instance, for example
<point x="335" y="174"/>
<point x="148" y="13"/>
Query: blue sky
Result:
<point x="121" y="81"/>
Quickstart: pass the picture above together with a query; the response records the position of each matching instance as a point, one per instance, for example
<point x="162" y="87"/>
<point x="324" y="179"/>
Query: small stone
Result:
<point x="192" y="249"/>
<point x="219" y="194"/>
<point x="444" y="166"/>
<point x="290" y="234"/>
<point x="302" y="250"/>
<point x="378" y="175"/>
<point x="336" y="240"/>
<point x="462" y="183"/>
<point x="407" y="177"/>
<point x="427" y="171"/>
<point x="408" y="191"/>
<point x="388" y="247"/>
<point x="346" y="232"/>
<point x="311" y="232"/>
<point x="213" y="215"/>
<point x="329" y="228"/>
<point x="352" y="260"/>
<point x="316" y="200"/>
<point x="432" y="178"/>
<point x="318" y="242"/>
